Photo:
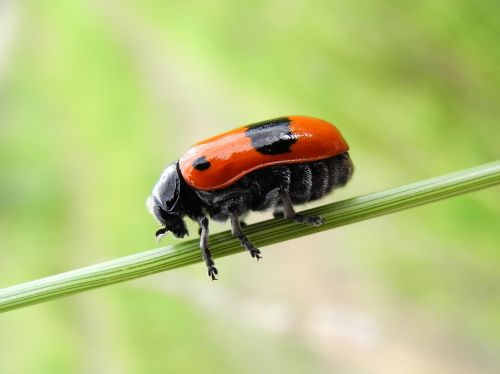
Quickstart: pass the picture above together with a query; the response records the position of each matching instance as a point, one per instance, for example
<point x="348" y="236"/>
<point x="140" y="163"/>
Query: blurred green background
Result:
<point x="96" y="97"/>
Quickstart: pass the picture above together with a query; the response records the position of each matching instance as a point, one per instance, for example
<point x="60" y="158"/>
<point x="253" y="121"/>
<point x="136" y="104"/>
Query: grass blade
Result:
<point x="261" y="234"/>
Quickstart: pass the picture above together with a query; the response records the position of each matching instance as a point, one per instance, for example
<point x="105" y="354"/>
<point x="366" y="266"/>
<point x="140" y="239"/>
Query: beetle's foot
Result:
<point x="254" y="252"/>
<point x="212" y="272"/>
<point x="309" y="220"/>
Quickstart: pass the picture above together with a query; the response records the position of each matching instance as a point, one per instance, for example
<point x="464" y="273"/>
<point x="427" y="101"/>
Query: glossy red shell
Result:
<point x="232" y="155"/>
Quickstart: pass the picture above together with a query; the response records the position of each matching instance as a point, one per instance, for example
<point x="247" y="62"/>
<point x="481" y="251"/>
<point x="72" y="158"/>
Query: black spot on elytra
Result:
<point x="201" y="163"/>
<point x="271" y="137"/>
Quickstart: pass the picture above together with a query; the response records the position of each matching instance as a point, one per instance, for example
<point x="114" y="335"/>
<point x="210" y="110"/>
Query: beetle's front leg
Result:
<point x="205" y="251"/>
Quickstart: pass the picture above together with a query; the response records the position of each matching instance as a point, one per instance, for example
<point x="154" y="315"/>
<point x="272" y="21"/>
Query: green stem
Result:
<point x="261" y="234"/>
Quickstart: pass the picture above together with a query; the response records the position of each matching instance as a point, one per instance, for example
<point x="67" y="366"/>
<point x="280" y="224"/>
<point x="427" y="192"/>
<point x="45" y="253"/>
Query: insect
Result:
<point x="274" y="164"/>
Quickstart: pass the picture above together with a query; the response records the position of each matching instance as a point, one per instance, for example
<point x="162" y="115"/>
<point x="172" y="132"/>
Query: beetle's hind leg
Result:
<point x="289" y="213"/>
<point x="245" y="243"/>
<point x="205" y="251"/>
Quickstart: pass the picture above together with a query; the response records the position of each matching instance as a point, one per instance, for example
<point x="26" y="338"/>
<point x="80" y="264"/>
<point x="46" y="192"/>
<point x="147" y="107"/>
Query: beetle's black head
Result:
<point x="166" y="202"/>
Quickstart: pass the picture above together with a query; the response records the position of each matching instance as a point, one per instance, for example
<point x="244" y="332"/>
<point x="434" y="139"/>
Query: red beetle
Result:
<point x="271" y="164"/>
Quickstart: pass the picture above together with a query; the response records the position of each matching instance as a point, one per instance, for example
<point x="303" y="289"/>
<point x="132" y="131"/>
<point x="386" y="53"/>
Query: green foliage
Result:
<point x="97" y="97"/>
<point x="264" y="233"/>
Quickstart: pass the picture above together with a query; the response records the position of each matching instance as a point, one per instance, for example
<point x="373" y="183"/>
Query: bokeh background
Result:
<point x="96" y="97"/>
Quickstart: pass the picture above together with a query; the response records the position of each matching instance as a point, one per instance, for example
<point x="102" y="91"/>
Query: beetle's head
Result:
<point x="165" y="203"/>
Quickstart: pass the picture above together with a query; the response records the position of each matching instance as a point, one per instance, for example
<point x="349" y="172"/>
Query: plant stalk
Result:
<point x="261" y="234"/>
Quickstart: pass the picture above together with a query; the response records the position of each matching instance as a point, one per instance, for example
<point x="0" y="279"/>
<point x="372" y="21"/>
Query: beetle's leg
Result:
<point x="289" y="213"/>
<point x="205" y="252"/>
<point x="245" y="243"/>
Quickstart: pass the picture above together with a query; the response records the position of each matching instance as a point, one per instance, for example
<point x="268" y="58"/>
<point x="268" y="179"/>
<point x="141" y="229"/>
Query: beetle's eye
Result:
<point x="166" y="192"/>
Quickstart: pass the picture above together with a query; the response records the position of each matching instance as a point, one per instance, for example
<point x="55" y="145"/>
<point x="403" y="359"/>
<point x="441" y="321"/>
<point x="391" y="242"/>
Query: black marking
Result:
<point x="271" y="137"/>
<point x="201" y="163"/>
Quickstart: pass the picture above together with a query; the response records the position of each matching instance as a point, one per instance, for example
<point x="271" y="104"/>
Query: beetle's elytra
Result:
<point x="273" y="164"/>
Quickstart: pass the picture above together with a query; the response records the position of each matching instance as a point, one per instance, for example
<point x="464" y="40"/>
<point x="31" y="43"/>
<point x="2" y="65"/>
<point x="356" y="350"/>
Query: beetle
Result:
<point x="273" y="164"/>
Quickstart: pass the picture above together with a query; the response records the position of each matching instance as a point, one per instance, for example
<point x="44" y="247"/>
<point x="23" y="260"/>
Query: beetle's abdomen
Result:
<point x="260" y="190"/>
<point x="312" y="180"/>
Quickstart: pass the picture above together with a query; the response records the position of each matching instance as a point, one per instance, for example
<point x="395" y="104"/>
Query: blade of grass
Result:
<point x="261" y="234"/>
